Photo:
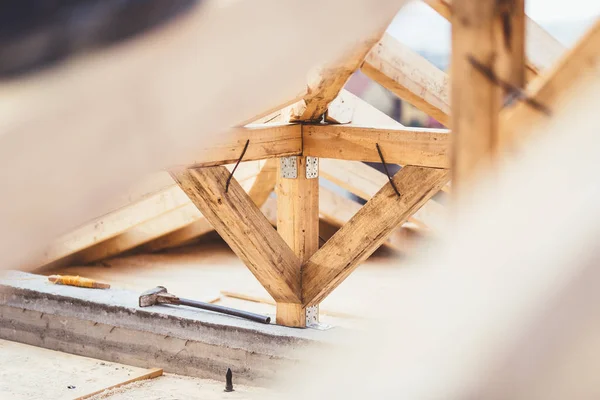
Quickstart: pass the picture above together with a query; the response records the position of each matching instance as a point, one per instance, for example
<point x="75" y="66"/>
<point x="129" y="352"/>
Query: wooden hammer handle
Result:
<point x="77" y="281"/>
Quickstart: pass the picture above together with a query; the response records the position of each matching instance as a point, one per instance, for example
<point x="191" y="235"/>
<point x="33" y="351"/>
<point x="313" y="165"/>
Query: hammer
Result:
<point x="159" y="295"/>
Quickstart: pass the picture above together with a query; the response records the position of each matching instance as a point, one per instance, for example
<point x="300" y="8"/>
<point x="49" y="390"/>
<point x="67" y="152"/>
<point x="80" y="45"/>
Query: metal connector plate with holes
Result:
<point x="312" y="315"/>
<point x="312" y="167"/>
<point x="289" y="167"/>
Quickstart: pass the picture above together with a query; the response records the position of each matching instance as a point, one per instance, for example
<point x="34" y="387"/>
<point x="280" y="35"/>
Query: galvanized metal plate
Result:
<point x="312" y="167"/>
<point x="312" y="315"/>
<point x="289" y="167"/>
<point x="320" y="326"/>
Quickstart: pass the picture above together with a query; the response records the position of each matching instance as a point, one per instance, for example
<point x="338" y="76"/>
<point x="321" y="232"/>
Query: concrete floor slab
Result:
<point x="109" y="325"/>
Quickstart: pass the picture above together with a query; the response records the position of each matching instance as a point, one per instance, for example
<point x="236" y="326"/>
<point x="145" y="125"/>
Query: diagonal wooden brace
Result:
<point x="368" y="229"/>
<point x="245" y="229"/>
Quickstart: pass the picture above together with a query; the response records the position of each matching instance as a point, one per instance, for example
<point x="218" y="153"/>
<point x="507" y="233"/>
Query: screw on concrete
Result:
<point x="229" y="381"/>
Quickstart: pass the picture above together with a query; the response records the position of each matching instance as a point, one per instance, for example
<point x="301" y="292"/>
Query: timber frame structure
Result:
<point x="328" y="132"/>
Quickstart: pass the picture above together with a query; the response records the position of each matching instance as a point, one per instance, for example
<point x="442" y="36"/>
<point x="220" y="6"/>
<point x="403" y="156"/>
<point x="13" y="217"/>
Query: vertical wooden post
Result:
<point x="487" y="64"/>
<point x="298" y="222"/>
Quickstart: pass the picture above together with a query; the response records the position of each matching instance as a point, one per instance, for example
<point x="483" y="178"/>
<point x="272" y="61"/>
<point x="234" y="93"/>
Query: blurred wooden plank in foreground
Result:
<point x="74" y="135"/>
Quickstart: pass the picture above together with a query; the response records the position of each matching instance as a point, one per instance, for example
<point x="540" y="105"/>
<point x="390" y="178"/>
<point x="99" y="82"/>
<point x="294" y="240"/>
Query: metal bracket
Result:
<point x="312" y="167"/>
<point x="312" y="315"/>
<point x="289" y="167"/>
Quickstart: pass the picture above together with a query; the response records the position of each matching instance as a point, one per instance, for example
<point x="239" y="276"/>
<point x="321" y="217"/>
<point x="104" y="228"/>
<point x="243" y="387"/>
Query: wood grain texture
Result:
<point x="365" y="114"/>
<point x="259" y="190"/>
<point x="152" y="373"/>
<point x="542" y="49"/>
<point x="266" y="141"/>
<point x="326" y="81"/>
<point x="364" y="181"/>
<point x="368" y="229"/>
<point x="141" y="220"/>
<point x="245" y="229"/>
<point x="410" y="77"/>
<point x="337" y="210"/>
<point x="556" y="86"/>
<point x="298" y="226"/>
<point x="265" y="181"/>
<point x="404" y="146"/>
<point x="160" y="104"/>
<point x="478" y="42"/>
<point x="298" y="211"/>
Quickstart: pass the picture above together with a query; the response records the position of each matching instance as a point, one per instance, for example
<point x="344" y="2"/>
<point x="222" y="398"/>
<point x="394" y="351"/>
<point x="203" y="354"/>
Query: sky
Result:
<point x="561" y="10"/>
<point x="421" y="28"/>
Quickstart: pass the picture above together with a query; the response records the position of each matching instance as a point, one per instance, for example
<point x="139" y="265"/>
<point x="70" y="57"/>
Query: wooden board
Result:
<point x="125" y="228"/>
<point x="487" y="46"/>
<point x="259" y="191"/>
<point x="298" y="226"/>
<point x="265" y="141"/>
<point x="404" y="146"/>
<point x="325" y="82"/>
<point x="365" y="182"/>
<point x="556" y="86"/>
<point x="368" y="229"/>
<point x="240" y="223"/>
<point x="410" y="77"/>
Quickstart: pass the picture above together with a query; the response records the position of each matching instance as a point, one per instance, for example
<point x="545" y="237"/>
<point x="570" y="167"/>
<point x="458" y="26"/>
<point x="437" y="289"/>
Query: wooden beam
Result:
<point x="337" y="210"/>
<point x="149" y="374"/>
<point x="556" y="86"/>
<point x="410" y="77"/>
<point x="483" y="35"/>
<point x="364" y="181"/>
<point x="258" y="190"/>
<point x="404" y="146"/>
<point x="149" y="231"/>
<point x="156" y="213"/>
<point x="543" y="50"/>
<point x="368" y="229"/>
<point x="240" y="223"/>
<point x="325" y="82"/>
<point x="298" y="225"/>
<point x="265" y="182"/>
<point x="266" y="141"/>
<point x="365" y="114"/>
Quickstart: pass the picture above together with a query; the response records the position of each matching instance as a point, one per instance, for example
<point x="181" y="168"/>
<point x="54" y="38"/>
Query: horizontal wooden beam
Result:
<point x="266" y="141"/>
<point x="368" y="229"/>
<point x="404" y="146"/>
<point x="246" y="230"/>
<point x="409" y="76"/>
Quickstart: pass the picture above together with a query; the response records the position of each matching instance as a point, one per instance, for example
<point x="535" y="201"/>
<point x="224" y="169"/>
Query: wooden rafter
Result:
<point x="364" y="182"/>
<point x="147" y="214"/>
<point x="363" y="113"/>
<point x="259" y="191"/>
<point x="325" y="82"/>
<point x="368" y="229"/>
<point x="404" y="146"/>
<point x="338" y="210"/>
<point x="241" y="224"/>
<point x="552" y="88"/>
<point x="410" y="77"/>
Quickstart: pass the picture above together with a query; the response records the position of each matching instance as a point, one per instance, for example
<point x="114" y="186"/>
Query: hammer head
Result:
<point x="151" y="297"/>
